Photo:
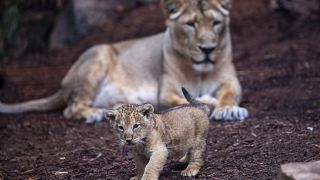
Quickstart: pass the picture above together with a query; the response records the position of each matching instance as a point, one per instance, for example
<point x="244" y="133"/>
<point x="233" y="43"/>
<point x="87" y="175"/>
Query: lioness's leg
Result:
<point x="227" y="107"/>
<point x="82" y="110"/>
<point x="83" y="81"/>
<point x="169" y="96"/>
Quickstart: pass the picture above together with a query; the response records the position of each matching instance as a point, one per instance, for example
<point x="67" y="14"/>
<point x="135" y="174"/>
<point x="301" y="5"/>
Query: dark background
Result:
<point x="278" y="65"/>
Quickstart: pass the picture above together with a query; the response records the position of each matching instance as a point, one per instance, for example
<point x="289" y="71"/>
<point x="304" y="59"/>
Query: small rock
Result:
<point x="311" y="129"/>
<point x="249" y="140"/>
<point x="220" y="167"/>
<point x="300" y="171"/>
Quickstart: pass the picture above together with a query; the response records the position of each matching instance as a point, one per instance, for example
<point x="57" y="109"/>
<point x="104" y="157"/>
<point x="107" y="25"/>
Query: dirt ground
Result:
<point x="279" y="70"/>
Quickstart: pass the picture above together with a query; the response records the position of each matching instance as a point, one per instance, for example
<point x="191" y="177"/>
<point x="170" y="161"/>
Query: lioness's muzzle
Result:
<point x="205" y="61"/>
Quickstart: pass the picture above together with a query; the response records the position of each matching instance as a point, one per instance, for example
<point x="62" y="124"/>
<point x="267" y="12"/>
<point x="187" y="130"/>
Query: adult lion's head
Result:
<point x="199" y="30"/>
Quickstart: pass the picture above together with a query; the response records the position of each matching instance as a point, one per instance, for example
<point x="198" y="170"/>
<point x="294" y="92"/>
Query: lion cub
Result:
<point x="181" y="131"/>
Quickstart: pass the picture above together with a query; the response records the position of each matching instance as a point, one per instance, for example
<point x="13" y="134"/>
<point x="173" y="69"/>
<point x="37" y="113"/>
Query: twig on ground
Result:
<point x="60" y="172"/>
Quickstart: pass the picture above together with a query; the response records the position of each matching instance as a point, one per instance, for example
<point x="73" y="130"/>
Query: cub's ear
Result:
<point x="110" y="114"/>
<point x="172" y="8"/>
<point x="146" y="110"/>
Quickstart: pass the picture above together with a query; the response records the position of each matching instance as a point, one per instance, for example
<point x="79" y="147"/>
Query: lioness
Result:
<point x="181" y="130"/>
<point x="194" y="52"/>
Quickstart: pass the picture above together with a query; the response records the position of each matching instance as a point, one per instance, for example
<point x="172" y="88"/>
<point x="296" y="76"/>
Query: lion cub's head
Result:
<point x="132" y="122"/>
<point x="199" y="29"/>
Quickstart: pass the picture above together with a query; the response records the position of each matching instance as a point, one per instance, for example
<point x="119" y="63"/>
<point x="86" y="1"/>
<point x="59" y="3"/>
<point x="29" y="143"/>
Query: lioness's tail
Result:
<point x="194" y="101"/>
<point x="44" y="104"/>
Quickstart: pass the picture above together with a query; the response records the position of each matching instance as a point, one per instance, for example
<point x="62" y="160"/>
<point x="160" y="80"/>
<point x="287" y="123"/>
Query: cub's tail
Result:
<point x="44" y="104"/>
<point x="195" y="102"/>
<point x="189" y="98"/>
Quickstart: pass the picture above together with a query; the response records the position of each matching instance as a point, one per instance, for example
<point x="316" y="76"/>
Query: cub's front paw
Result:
<point x="96" y="116"/>
<point x="135" y="178"/>
<point x="190" y="171"/>
<point x="230" y="113"/>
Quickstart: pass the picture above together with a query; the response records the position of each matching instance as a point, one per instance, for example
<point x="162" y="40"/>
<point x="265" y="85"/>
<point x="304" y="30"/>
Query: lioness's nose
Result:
<point x="207" y="49"/>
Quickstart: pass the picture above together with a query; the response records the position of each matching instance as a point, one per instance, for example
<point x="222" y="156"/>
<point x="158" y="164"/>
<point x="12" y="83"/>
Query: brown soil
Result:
<point x="279" y="71"/>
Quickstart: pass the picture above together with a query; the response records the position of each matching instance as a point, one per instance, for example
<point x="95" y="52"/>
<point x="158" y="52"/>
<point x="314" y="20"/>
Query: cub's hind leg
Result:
<point x="83" y="81"/>
<point x="195" y="160"/>
<point x="196" y="153"/>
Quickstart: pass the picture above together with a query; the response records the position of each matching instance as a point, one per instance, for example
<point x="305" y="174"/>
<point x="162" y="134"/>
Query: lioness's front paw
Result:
<point x="190" y="171"/>
<point x="135" y="178"/>
<point x="230" y="113"/>
<point x="96" y="116"/>
<point x="207" y="99"/>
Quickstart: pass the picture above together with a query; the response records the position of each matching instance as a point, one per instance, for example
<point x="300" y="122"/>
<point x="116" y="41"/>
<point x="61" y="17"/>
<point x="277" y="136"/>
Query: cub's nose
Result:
<point x="128" y="141"/>
<point x="207" y="49"/>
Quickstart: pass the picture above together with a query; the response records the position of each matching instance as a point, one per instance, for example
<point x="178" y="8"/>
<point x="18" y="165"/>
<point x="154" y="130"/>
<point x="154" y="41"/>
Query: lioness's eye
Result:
<point x="120" y="127"/>
<point x="191" y="24"/>
<point x="135" y="126"/>
<point x="216" y="23"/>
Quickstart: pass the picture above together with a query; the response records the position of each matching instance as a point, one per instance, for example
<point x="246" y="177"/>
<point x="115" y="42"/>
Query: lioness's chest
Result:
<point x="113" y="93"/>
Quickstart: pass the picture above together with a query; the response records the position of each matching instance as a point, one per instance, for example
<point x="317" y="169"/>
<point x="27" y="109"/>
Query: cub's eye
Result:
<point x="191" y="24"/>
<point x="121" y="128"/>
<point x="136" y="126"/>
<point x="216" y="23"/>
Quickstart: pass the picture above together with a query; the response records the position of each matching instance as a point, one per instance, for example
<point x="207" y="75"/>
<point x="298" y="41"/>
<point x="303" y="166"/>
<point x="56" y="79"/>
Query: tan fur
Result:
<point x="180" y="131"/>
<point x="195" y="51"/>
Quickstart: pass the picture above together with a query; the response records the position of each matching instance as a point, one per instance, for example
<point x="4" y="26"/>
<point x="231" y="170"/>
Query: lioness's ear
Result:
<point x="146" y="110"/>
<point x="110" y="114"/>
<point x="172" y="8"/>
<point x="224" y="6"/>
